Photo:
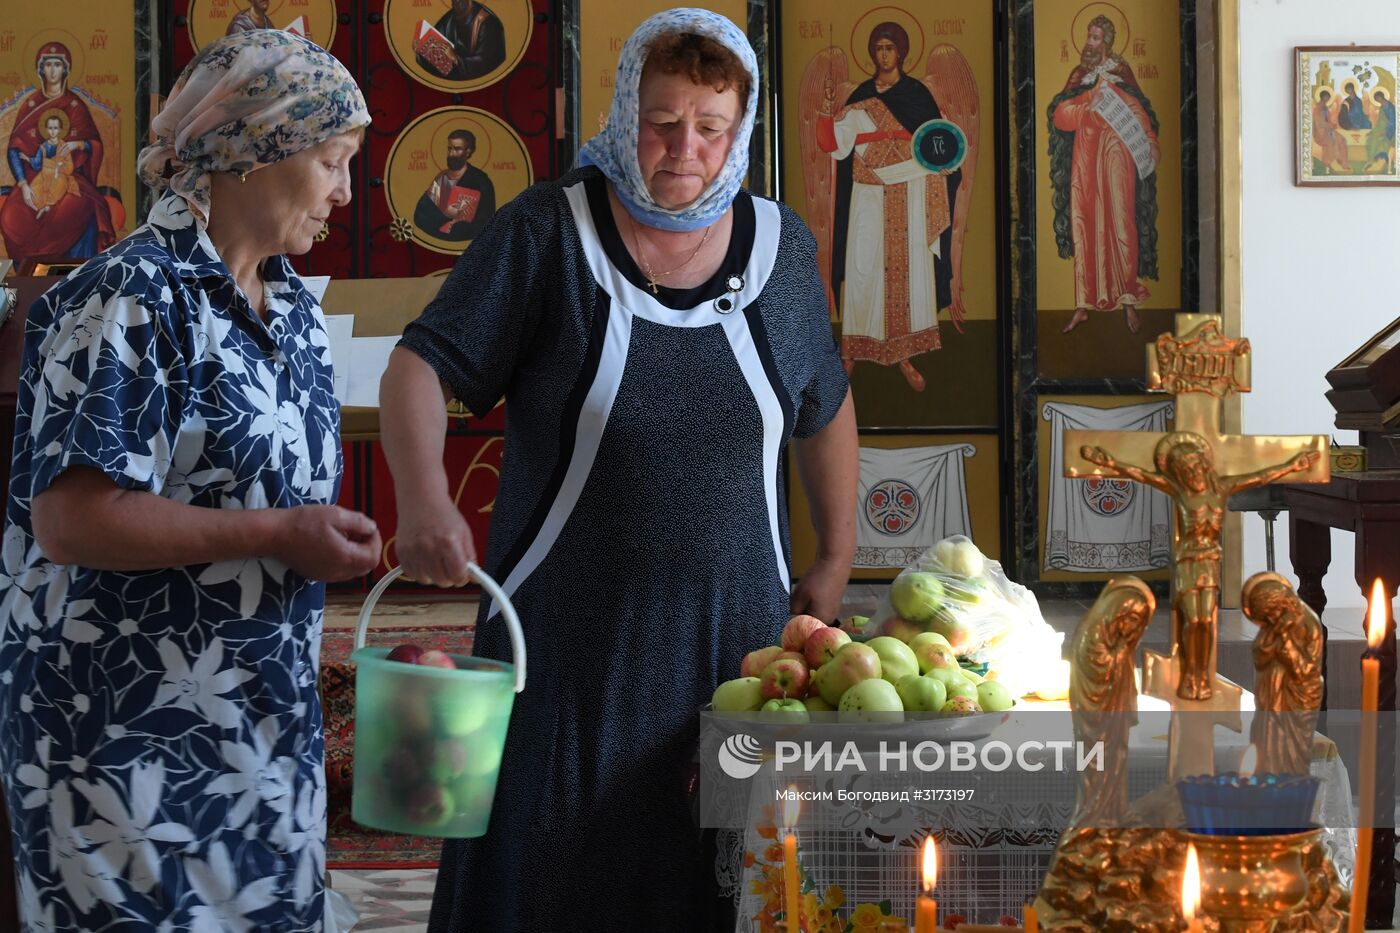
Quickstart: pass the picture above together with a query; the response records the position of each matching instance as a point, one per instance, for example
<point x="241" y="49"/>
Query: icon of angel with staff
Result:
<point x="889" y="165"/>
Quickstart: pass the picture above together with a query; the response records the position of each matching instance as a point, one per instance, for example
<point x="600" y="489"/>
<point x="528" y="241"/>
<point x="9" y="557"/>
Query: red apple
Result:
<point x="436" y="658"/>
<point x="408" y="654"/>
<point x="823" y="643"/>
<point x="447" y="759"/>
<point x="797" y="629"/>
<point x="785" y="677"/>
<point x="429" y="805"/>
<point x="755" y="661"/>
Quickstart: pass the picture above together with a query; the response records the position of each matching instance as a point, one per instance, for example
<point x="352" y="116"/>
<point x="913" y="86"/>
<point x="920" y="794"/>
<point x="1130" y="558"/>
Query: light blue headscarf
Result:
<point x="615" y="149"/>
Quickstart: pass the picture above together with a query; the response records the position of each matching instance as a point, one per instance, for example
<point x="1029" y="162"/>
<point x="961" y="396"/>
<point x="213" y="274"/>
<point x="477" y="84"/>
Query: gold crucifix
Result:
<point x="1199" y="467"/>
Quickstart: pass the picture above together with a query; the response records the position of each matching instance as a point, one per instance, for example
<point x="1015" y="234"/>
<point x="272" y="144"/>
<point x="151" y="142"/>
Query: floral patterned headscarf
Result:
<point x="245" y="101"/>
<point x="615" y="149"/>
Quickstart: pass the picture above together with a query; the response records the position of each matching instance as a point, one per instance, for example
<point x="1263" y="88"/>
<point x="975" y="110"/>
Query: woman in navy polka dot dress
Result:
<point x="659" y="336"/>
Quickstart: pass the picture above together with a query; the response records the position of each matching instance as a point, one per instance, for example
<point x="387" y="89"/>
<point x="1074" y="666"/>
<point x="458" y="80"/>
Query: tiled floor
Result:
<point x="388" y="900"/>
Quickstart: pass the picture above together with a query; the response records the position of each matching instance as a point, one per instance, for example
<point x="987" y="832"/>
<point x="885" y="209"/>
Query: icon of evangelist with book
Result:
<point x="461" y="200"/>
<point x="467" y="42"/>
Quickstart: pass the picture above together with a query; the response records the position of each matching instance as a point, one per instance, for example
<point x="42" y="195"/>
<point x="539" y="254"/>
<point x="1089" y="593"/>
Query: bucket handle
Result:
<point x="517" y="635"/>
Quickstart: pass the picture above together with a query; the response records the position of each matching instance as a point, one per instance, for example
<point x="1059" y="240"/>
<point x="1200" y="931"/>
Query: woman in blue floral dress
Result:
<point x="171" y="522"/>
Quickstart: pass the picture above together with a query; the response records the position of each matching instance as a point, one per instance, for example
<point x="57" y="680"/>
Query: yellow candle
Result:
<point x="1370" y="692"/>
<point x="1032" y="922"/>
<point x="926" y="919"/>
<point x="1191" y="892"/>
<point x="791" y="894"/>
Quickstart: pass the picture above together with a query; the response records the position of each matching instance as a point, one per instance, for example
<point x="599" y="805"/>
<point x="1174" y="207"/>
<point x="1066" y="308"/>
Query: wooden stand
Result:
<point x="1367" y="504"/>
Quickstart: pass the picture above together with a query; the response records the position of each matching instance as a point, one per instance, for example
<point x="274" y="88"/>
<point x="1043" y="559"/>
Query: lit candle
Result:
<point x="1191" y="891"/>
<point x="926" y="920"/>
<point x="791" y="895"/>
<point x="1032" y="922"/>
<point x="1370" y="690"/>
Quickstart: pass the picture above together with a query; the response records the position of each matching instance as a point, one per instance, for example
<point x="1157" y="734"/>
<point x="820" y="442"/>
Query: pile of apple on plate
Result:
<point x="953" y="635"/>
<point x="819" y="668"/>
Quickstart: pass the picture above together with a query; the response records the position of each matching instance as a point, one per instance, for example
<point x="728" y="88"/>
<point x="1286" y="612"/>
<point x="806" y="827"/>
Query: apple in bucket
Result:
<point x="408" y="654"/>
<point x="429" y="805"/>
<point x="436" y="658"/>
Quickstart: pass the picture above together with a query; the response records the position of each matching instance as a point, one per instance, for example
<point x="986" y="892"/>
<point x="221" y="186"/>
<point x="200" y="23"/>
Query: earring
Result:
<point x="242" y="178"/>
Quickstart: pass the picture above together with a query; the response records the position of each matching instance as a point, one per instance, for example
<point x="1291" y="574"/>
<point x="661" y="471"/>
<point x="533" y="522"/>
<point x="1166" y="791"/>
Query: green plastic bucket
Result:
<point x="428" y="740"/>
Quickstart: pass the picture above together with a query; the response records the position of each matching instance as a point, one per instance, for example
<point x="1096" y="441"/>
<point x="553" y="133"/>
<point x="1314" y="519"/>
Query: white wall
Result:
<point x="1317" y="262"/>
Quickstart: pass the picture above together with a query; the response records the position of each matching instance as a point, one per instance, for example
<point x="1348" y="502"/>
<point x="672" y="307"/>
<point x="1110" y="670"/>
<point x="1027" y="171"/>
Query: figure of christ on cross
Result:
<point x="1185" y="471"/>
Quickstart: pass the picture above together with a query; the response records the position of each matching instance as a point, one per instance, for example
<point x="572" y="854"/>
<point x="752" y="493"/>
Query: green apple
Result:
<point x="961" y="705"/>
<point x="972" y="675"/>
<point x="873" y="696"/>
<point x="897" y="659"/>
<point x="786" y="709"/>
<point x="916" y="595"/>
<point x="815" y="704"/>
<point x="850" y="665"/>
<point x="857" y="624"/>
<point x="962" y="688"/>
<point x="740" y="695"/>
<point x="484" y="758"/>
<point x="927" y="638"/>
<point x="994" y="697"/>
<point x="947" y="676"/>
<point x="934" y="654"/>
<point x="921" y="693"/>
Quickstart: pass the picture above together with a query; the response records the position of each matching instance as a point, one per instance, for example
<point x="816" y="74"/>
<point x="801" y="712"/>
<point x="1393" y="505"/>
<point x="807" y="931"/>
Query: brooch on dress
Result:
<point x="727" y="302"/>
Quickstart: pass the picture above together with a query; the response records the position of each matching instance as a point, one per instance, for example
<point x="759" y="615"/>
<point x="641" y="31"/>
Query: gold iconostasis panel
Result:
<point x="914" y="490"/>
<point x="67" y="113"/>
<point x="448" y="173"/>
<point x="602" y="29"/>
<point x="310" y="19"/>
<point x="889" y="156"/>
<point x="1108" y="183"/>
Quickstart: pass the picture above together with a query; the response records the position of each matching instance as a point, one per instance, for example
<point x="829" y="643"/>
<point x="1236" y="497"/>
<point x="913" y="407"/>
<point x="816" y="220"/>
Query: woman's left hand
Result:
<point x="819" y="591"/>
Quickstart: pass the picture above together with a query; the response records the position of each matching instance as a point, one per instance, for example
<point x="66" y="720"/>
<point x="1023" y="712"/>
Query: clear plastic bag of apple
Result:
<point x="989" y="620"/>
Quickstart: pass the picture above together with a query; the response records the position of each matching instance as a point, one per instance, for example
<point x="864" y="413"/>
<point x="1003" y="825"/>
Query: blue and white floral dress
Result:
<point x="160" y="733"/>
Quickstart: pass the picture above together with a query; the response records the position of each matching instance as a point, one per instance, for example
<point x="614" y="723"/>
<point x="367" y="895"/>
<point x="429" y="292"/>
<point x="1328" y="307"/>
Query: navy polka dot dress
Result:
<point x="640" y="529"/>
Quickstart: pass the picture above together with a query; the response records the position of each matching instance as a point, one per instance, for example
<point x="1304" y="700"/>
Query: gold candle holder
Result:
<point x="1249" y="883"/>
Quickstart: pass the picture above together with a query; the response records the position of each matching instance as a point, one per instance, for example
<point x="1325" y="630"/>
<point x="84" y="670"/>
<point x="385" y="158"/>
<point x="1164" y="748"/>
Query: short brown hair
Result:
<point x="702" y="60"/>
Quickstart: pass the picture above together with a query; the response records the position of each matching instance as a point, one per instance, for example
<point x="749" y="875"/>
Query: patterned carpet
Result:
<point x="349" y="845"/>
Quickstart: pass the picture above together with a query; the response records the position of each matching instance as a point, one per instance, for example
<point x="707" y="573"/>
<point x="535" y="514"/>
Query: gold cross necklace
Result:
<point x="653" y="278"/>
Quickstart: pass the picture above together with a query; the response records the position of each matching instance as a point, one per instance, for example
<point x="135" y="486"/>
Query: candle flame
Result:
<point x="1249" y="761"/>
<point x="930" y="865"/>
<point x="1191" y="884"/>
<point x="791" y="807"/>
<point x="1376" y="618"/>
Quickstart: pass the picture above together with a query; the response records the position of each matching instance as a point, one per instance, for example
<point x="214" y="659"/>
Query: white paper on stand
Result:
<point x="316" y="285"/>
<point x="369" y="357"/>
<point x="340" y="329"/>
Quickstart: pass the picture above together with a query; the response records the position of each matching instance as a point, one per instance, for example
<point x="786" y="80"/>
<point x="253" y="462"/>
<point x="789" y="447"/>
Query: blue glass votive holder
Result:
<point x="1255" y="805"/>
